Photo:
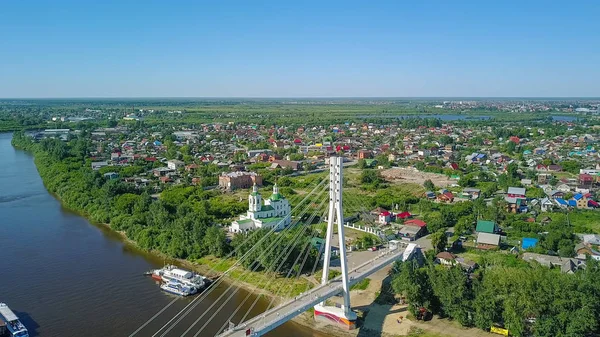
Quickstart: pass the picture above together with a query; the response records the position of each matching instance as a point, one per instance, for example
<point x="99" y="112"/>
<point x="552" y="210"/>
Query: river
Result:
<point x="64" y="276"/>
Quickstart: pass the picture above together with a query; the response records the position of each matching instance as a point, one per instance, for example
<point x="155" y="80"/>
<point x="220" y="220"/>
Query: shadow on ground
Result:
<point x="29" y="323"/>
<point x="385" y="300"/>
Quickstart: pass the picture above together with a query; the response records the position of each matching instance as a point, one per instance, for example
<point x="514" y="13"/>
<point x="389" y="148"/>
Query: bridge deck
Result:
<point x="273" y="318"/>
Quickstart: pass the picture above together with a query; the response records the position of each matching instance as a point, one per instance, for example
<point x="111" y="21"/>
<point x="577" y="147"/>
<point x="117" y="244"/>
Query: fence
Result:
<point x="365" y="229"/>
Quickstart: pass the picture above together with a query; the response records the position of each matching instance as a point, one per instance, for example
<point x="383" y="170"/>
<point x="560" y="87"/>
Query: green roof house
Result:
<point x="486" y="226"/>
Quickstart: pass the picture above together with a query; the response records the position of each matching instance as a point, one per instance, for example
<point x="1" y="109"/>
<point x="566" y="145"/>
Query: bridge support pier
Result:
<point x="343" y="315"/>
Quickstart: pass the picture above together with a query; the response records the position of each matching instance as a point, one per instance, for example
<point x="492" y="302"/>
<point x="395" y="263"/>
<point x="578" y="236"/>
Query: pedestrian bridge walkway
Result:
<point x="275" y="317"/>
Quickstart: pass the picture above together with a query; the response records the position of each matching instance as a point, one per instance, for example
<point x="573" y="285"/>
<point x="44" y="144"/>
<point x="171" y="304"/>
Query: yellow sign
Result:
<point x="499" y="331"/>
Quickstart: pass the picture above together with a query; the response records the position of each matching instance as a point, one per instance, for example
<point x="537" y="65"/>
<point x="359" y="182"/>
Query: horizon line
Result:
<point x="305" y="97"/>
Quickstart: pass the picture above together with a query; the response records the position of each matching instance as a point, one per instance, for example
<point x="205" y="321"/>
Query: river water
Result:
<point x="64" y="276"/>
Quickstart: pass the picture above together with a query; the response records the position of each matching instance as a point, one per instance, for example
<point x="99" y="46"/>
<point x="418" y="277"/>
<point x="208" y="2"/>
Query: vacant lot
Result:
<point x="410" y="175"/>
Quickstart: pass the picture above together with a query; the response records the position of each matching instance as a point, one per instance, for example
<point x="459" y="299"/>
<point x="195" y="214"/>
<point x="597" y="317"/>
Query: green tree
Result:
<point x="428" y="184"/>
<point x="215" y="241"/>
<point x="570" y="166"/>
<point x="435" y="221"/>
<point x="439" y="240"/>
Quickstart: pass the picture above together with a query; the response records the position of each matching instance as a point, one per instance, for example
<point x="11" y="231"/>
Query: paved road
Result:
<point x="273" y="318"/>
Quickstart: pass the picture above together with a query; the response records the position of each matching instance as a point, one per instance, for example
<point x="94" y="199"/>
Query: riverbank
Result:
<point x="268" y="285"/>
<point x="61" y="177"/>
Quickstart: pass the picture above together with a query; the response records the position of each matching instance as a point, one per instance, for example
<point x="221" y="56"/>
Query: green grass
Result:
<point x="270" y="282"/>
<point x="494" y="258"/>
<point x="362" y="285"/>
<point x="584" y="221"/>
<point x="416" y="332"/>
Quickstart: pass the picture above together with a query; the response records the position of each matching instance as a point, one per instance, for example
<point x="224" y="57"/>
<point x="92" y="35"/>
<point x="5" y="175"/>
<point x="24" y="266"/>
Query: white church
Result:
<point x="274" y="213"/>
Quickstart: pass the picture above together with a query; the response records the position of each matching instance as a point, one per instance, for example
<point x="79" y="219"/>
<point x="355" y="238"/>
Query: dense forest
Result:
<point x="526" y="300"/>
<point x="183" y="223"/>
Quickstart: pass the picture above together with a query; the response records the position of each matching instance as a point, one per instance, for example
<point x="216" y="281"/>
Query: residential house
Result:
<point x="416" y="222"/>
<point x="516" y="192"/>
<point x="526" y="182"/>
<point x="175" y="164"/>
<point x="165" y="179"/>
<point x="403" y="215"/>
<point x="586" y="180"/>
<point x="582" y="200"/>
<point x="111" y="175"/>
<point x="470" y="193"/>
<point x="365" y="154"/>
<point x="411" y="233"/>
<point x="566" y="265"/>
<point x="554" y="168"/>
<point x="515" y="199"/>
<point x="191" y="167"/>
<point x="486" y="226"/>
<point x="412" y="229"/>
<point x="468" y="265"/>
<point x="294" y="165"/>
<point x="543" y="178"/>
<point x="385" y="217"/>
<point x="430" y="195"/>
<point x="424" y="153"/>
<point x="445" y="258"/>
<point x="556" y="194"/>
<point x="487" y="240"/>
<point x="447" y="197"/>
<point x="546" y="204"/>
<point x="161" y="171"/>
<point x="98" y="165"/>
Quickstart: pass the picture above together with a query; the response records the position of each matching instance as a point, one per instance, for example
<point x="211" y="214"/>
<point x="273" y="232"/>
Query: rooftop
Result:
<point x="7" y="313"/>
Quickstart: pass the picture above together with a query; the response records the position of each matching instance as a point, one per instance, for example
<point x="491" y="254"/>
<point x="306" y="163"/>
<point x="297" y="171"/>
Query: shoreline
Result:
<point x="303" y="319"/>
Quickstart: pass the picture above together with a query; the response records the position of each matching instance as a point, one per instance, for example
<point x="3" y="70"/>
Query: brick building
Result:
<point x="234" y="180"/>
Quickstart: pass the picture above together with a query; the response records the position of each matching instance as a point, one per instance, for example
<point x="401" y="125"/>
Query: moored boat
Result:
<point x="10" y="323"/>
<point x="185" y="277"/>
<point x="177" y="288"/>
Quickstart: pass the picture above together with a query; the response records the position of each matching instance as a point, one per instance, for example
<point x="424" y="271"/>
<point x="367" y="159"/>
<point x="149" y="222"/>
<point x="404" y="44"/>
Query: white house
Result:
<point x="275" y="213"/>
<point x="385" y="217"/>
<point x="175" y="164"/>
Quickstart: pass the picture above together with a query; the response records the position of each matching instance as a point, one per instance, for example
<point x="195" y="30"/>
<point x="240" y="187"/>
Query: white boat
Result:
<point x="177" y="288"/>
<point x="185" y="277"/>
<point x="10" y="323"/>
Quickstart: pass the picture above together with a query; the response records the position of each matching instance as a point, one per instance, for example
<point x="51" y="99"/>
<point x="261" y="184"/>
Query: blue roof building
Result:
<point x="529" y="243"/>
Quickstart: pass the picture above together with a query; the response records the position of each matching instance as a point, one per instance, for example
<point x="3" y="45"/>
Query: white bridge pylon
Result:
<point x="336" y="215"/>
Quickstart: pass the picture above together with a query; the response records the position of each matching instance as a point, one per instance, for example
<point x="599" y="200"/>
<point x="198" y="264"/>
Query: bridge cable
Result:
<point x="221" y="278"/>
<point x="264" y="286"/>
<point x="289" y="249"/>
<point x="231" y="254"/>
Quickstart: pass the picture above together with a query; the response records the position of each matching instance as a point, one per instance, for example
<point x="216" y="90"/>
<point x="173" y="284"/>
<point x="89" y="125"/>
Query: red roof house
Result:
<point x="404" y="215"/>
<point x="415" y="222"/>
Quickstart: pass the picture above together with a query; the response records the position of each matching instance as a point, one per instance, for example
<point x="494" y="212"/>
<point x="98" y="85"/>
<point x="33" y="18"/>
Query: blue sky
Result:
<point x="299" y="48"/>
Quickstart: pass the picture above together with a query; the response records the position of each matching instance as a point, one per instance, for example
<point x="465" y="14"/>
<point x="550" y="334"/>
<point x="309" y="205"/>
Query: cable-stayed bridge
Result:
<point x="195" y="317"/>
<point x="273" y="318"/>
